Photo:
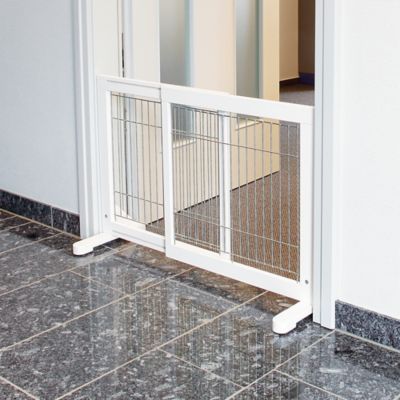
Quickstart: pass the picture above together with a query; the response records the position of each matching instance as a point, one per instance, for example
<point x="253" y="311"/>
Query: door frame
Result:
<point x="324" y="288"/>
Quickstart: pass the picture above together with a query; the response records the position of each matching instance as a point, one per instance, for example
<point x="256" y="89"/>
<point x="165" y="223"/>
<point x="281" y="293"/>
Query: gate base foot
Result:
<point x="287" y="320"/>
<point x="87" y="245"/>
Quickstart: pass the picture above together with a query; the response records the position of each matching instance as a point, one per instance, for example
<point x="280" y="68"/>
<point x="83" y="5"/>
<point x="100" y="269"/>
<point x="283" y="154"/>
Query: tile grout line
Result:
<point x="54" y="275"/>
<point x="29" y="244"/>
<point x="97" y="282"/>
<point x="280" y="365"/>
<point x="104" y="374"/>
<point x="210" y="294"/>
<point x="158" y="347"/>
<point x="18" y="388"/>
<point x="388" y="348"/>
<point x="201" y="369"/>
<point x="40" y="223"/>
<point x="311" y="385"/>
<point x="125" y="293"/>
<point x="61" y="325"/>
<point x="12" y="227"/>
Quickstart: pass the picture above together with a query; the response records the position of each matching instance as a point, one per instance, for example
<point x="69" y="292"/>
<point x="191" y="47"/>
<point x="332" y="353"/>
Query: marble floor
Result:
<point x="127" y="323"/>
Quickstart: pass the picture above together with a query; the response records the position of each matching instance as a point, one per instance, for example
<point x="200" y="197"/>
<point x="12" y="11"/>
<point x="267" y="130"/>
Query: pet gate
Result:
<point x="218" y="181"/>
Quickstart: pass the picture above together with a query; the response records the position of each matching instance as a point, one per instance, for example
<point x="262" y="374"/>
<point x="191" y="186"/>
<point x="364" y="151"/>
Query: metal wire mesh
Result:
<point x="236" y="180"/>
<point x="137" y="160"/>
<point x="263" y="161"/>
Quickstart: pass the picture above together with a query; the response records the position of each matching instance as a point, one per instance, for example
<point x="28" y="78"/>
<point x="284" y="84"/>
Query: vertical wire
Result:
<point x="137" y="161"/>
<point x="113" y="148"/>
<point x="208" y="137"/>
<point x="263" y="188"/>
<point x="271" y="193"/>
<point x="149" y="167"/>
<point x="132" y="155"/>
<point x="238" y="130"/>
<point x="156" y="155"/>
<point x="298" y="139"/>
<point x="188" y="175"/>
<point x="120" y="155"/>
<point x="196" y="167"/>
<point x="143" y="162"/>
<point x="280" y="200"/>
<point x="255" y="192"/>
<point x="204" y="206"/>
<point x="247" y="191"/>
<point x="289" y="203"/>
<point x="181" y="177"/>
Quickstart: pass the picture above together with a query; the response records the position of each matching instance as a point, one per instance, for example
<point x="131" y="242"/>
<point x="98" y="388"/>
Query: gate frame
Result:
<point x="327" y="57"/>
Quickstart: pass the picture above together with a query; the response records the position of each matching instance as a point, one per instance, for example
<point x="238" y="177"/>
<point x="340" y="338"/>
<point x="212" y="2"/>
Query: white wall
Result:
<point x="173" y="42"/>
<point x="368" y="188"/>
<point x="145" y="40"/>
<point x="37" y="124"/>
<point x="107" y="37"/>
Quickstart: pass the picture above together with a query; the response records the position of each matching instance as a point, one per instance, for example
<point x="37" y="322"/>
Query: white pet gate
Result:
<point x="218" y="181"/>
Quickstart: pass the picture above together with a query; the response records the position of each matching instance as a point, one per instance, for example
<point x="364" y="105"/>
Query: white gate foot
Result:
<point x="287" y="320"/>
<point x="87" y="245"/>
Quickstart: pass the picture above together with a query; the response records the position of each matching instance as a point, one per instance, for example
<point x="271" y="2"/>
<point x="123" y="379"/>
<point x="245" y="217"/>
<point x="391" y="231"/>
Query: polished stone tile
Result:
<point x="140" y="255"/>
<point x="125" y="275"/>
<point x="26" y="207"/>
<point x="58" y="361"/>
<point x="349" y="367"/>
<point x="368" y="324"/>
<point x="276" y="386"/>
<point x="24" y="234"/>
<point x="241" y="346"/>
<point x="8" y="392"/>
<point x="30" y="263"/>
<point x="12" y="222"/>
<point x="118" y="244"/>
<point x="219" y="285"/>
<point x="65" y="221"/>
<point x="157" y="376"/>
<point x="48" y="303"/>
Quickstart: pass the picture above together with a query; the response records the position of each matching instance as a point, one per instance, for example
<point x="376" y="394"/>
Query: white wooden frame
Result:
<point x="87" y="147"/>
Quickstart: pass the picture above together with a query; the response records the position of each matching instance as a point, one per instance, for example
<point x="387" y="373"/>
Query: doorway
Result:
<point x="86" y="79"/>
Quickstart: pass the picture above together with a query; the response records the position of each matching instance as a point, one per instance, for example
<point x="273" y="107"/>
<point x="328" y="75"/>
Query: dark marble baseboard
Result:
<point x="43" y="213"/>
<point x="368" y="324"/>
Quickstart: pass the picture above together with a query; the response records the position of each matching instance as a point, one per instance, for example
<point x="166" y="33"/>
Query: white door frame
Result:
<point x="326" y="60"/>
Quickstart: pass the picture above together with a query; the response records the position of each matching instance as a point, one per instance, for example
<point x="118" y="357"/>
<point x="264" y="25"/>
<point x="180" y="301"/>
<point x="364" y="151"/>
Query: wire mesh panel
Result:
<point x="236" y="187"/>
<point x="137" y="160"/>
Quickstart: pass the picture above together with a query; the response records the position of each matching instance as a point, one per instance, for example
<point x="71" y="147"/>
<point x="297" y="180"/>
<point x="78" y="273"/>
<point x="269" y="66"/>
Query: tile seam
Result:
<point x="50" y="276"/>
<point x="31" y="243"/>
<point x="311" y="385"/>
<point x="18" y="388"/>
<point x="372" y="342"/>
<point x="281" y="364"/>
<point x="61" y="325"/>
<point x="202" y="369"/>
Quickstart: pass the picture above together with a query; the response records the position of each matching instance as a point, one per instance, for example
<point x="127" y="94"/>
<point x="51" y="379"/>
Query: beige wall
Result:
<point x="307" y="35"/>
<point x="270" y="74"/>
<point x="213" y="58"/>
<point x="289" y="39"/>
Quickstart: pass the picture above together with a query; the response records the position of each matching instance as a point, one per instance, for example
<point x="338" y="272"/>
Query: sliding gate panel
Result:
<point x="255" y="164"/>
<point x="214" y="180"/>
